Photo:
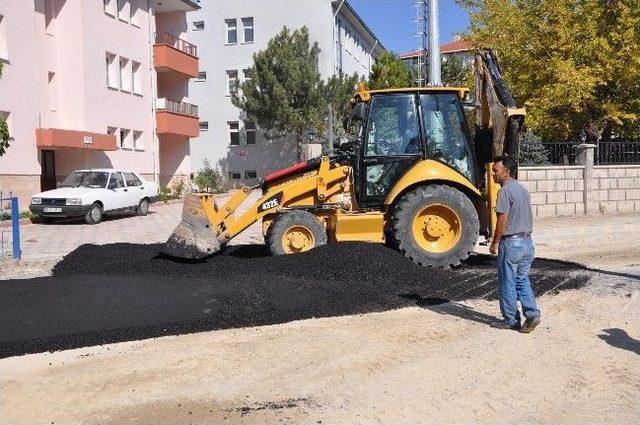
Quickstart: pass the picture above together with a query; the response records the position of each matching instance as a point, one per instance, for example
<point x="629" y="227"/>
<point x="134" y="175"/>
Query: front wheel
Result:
<point x="94" y="215"/>
<point x="435" y="225"/>
<point x="294" y="232"/>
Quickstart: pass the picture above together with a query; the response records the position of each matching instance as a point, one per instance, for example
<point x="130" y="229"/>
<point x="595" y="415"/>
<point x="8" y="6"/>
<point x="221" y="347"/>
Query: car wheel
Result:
<point x="143" y="207"/>
<point x="94" y="215"/>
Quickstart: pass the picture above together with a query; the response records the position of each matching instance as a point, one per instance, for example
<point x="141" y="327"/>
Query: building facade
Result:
<point x="95" y="83"/>
<point x="228" y="33"/>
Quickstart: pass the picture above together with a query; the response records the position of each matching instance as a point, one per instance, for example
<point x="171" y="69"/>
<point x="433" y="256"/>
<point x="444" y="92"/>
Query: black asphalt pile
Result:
<point x="120" y="292"/>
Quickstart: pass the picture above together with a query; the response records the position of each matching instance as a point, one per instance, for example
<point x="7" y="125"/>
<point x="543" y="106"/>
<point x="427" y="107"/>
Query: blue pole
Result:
<point x="15" y="226"/>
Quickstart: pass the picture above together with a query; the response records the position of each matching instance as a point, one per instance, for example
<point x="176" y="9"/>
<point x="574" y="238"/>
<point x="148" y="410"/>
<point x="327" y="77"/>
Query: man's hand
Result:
<point x="493" y="249"/>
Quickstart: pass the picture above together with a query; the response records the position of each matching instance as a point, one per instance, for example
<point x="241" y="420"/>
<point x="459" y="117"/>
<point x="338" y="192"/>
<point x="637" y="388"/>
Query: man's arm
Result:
<point x="501" y="225"/>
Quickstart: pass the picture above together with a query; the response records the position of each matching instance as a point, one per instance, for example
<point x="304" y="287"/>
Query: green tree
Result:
<point x="454" y="73"/>
<point x="283" y="94"/>
<point x="532" y="151"/>
<point x="388" y="71"/>
<point x="338" y="91"/>
<point x="4" y="129"/>
<point x="573" y="63"/>
<point x="208" y="178"/>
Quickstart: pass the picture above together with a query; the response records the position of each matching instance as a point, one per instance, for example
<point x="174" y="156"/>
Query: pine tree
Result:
<point x="283" y="94"/>
<point x="388" y="71"/>
<point x="532" y="151"/>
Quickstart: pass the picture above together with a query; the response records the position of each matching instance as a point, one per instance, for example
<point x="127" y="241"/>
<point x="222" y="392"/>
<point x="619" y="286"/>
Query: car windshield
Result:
<point x="93" y="179"/>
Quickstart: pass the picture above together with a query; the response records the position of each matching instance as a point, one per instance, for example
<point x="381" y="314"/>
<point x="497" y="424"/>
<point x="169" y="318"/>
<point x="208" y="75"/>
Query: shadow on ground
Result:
<point x="120" y="292"/>
<point x="620" y="339"/>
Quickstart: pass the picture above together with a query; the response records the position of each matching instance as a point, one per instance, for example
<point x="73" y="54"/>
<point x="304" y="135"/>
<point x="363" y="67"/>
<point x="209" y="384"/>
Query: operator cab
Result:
<point x="397" y="128"/>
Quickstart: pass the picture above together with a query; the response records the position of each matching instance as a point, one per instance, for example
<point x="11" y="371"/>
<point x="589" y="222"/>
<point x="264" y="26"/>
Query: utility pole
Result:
<point x="428" y="70"/>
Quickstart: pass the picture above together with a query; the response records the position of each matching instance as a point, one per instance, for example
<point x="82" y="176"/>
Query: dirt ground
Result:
<point x="437" y="364"/>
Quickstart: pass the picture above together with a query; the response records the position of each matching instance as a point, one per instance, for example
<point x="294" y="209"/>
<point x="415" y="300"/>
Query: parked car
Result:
<point x="92" y="193"/>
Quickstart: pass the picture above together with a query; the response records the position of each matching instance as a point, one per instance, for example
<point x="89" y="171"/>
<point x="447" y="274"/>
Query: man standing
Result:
<point x="514" y="246"/>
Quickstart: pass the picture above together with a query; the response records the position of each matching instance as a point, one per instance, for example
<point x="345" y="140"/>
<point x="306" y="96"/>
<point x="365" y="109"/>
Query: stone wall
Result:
<point x="575" y="190"/>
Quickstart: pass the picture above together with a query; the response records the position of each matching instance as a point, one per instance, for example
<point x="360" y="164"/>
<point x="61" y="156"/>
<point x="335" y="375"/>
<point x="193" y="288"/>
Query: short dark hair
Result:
<point x="509" y="163"/>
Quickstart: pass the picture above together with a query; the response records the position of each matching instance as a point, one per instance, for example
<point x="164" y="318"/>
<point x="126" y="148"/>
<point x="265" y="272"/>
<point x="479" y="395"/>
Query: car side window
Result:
<point x="116" y="181"/>
<point x="132" y="180"/>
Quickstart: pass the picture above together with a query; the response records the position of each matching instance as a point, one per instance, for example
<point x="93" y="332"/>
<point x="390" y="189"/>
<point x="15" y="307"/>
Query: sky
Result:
<point x="393" y="21"/>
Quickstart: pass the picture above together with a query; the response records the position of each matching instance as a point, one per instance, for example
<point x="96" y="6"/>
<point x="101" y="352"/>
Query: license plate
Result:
<point x="52" y="210"/>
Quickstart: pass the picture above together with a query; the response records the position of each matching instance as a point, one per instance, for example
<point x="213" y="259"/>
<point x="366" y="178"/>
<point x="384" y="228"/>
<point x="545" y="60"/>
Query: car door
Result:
<point x="135" y="189"/>
<point x="391" y="146"/>
<point x="116" y="193"/>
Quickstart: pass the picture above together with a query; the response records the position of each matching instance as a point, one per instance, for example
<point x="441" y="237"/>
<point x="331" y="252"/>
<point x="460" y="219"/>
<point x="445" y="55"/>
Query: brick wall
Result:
<point x="570" y="190"/>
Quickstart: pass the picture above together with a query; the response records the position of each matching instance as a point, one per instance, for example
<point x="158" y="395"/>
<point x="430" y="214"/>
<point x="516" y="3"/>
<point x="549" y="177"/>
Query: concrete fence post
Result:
<point x="584" y="156"/>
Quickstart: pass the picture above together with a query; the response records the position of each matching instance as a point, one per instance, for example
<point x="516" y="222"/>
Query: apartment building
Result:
<point x="95" y="83"/>
<point x="228" y="33"/>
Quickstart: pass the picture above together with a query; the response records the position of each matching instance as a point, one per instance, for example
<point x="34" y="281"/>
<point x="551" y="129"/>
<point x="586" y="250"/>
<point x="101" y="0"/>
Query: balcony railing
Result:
<point x="176" y="107"/>
<point x="177" y="43"/>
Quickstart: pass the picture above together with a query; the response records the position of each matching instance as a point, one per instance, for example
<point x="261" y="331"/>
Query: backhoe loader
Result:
<point x="414" y="177"/>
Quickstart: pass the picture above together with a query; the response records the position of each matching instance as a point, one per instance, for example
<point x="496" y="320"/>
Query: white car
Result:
<point x="90" y="193"/>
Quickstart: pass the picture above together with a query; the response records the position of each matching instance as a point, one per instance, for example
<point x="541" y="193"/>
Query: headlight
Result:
<point x="74" y="201"/>
<point x="36" y="201"/>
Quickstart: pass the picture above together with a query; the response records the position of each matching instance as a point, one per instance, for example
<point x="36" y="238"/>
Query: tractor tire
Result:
<point x="435" y="225"/>
<point x="294" y="232"/>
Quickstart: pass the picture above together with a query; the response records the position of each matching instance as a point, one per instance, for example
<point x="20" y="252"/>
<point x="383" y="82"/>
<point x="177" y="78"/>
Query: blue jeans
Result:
<point x="515" y="255"/>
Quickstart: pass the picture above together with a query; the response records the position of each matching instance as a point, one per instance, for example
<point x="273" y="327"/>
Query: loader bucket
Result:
<point x="194" y="238"/>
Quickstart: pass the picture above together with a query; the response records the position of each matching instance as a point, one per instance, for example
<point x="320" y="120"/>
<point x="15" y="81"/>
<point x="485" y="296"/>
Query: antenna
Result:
<point x="426" y="64"/>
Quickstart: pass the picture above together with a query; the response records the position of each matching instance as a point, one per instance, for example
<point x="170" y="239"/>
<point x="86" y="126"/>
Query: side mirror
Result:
<point x="346" y="123"/>
<point x="360" y="111"/>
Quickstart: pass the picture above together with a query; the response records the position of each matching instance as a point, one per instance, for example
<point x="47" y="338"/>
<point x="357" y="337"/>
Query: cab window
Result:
<point x="393" y="128"/>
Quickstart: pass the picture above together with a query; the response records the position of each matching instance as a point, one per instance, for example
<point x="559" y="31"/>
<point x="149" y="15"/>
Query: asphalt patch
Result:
<point x="102" y="294"/>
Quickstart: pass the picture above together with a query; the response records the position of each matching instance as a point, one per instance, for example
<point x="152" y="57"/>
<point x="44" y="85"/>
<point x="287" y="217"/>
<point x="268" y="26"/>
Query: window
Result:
<point x="109" y="7"/>
<point x="125" y="75"/>
<point x="4" y="52"/>
<point x="234" y="175"/>
<point x="135" y="13"/>
<point x="250" y="130"/>
<point x="232" y="81"/>
<point x="202" y="76"/>
<point x="198" y="25"/>
<point x="112" y="72"/>
<point x="250" y="174"/>
<point x="124" y="10"/>
<point x="232" y="31"/>
<point x="132" y="180"/>
<point x="49" y="16"/>
<point x="137" y="141"/>
<point x="204" y="125"/>
<point x="116" y="181"/>
<point x="234" y="137"/>
<point x="53" y="91"/>
<point x="124" y="138"/>
<point x="393" y="126"/>
<point x="111" y="131"/>
<point x="245" y="74"/>
<point x="136" y="77"/>
<point x="247" y="27"/>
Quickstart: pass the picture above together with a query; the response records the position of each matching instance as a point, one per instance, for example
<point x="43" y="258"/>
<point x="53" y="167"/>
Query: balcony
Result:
<point x="177" y="118"/>
<point x="56" y="138"/>
<point x="173" y="54"/>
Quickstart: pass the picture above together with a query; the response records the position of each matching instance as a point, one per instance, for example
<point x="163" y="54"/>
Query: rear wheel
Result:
<point x="435" y="226"/>
<point x="294" y="232"/>
<point x="94" y="215"/>
<point x="143" y="207"/>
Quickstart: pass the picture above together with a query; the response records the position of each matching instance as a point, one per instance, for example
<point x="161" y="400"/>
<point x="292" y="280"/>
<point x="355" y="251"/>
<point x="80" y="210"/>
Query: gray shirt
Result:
<point x="514" y="201"/>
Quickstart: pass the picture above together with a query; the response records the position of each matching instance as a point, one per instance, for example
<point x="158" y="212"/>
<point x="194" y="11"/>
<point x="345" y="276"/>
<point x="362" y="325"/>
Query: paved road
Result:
<point x="120" y="292"/>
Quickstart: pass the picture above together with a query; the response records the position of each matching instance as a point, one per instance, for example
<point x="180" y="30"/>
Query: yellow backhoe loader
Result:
<point x="415" y="177"/>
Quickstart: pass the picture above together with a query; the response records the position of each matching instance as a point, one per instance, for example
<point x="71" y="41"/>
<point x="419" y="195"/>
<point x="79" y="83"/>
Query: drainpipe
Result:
<point x="154" y="95"/>
<point x="335" y="15"/>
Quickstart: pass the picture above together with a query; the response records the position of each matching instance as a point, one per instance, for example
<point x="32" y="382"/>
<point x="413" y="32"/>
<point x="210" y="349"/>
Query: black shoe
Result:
<point x="530" y="324"/>
<point x="501" y="324"/>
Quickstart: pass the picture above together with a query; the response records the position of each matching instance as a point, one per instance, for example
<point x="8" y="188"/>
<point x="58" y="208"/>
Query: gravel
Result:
<point x="102" y="294"/>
